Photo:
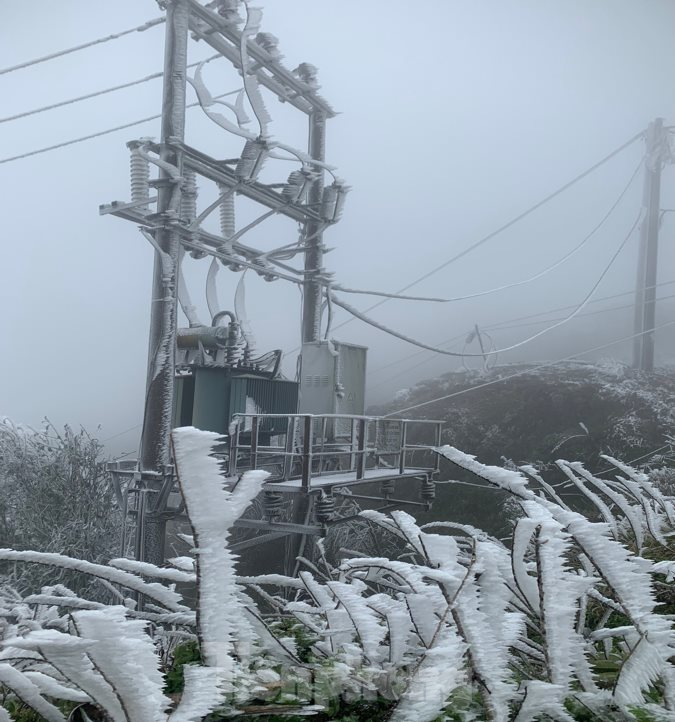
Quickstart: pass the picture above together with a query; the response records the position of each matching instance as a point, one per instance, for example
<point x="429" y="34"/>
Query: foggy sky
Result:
<point x="454" y="117"/>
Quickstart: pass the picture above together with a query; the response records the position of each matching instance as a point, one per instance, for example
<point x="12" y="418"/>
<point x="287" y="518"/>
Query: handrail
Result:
<point x="340" y="416"/>
<point x="310" y="443"/>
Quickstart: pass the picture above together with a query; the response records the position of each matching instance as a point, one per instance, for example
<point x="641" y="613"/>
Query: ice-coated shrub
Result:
<point x="459" y="626"/>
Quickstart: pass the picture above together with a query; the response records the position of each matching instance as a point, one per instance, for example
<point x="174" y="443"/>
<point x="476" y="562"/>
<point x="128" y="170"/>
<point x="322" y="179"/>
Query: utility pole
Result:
<point x="645" y="294"/>
<point x="155" y="457"/>
<point x="171" y="221"/>
<point x="312" y="293"/>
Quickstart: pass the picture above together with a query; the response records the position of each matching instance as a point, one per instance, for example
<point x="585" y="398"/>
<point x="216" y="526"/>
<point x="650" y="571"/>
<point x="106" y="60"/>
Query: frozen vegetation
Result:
<point x="569" y="619"/>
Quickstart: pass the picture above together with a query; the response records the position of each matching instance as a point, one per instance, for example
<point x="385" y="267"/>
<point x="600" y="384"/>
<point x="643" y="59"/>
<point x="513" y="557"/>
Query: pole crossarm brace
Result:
<point x="209" y="243"/>
<point x="226" y="39"/>
<point x="221" y="172"/>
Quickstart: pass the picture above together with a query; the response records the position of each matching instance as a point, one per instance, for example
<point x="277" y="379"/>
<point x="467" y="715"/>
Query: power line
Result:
<point x="426" y="360"/>
<point x="98" y="134"/>
<point x="584" y="315"/>
<point x="506" y="225"/>
<point x="361" y="316"/>
<point x="95" y="94"/>
<point x="529" y="370"/>
<point x="632" y="461"/>
<point x="501" y="324"/>
<point x="98" y="41"/>
<point x="504" y="287"/>
<point x="121" y="433"/>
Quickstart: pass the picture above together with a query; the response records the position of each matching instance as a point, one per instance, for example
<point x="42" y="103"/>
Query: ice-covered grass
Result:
<point x="519" y="629"/>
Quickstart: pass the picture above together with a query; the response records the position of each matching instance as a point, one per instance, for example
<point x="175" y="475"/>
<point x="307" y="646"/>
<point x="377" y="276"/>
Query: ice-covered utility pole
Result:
<point x="312" y="287"/>
<point x="155" y="456"/>
<point x="645" y="294"/>
<point x="172" y="218"/>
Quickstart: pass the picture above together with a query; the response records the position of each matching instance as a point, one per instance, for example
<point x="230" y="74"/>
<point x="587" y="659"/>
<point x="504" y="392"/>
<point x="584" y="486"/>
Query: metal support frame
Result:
<point x="226" y="39"/>
<point x="155" y="454"/>
<point x="312" y="291"/>
<point x="645" y="295"/>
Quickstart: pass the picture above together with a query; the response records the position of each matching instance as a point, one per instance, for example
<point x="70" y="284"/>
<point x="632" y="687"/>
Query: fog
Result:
<point x="454" y="118"/>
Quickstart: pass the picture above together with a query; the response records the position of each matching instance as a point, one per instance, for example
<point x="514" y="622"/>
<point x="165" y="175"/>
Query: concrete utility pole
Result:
<point x="155" y="452"/>
<point x="645" y="294"/>
<point x="312" y="294"/>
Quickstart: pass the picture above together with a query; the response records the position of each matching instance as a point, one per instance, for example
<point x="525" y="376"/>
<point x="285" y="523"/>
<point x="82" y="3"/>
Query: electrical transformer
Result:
<point x="208" y="398"/>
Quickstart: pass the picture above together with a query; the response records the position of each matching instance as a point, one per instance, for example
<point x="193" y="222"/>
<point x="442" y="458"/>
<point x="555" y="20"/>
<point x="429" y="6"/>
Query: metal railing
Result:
<point x="330" y="444"/>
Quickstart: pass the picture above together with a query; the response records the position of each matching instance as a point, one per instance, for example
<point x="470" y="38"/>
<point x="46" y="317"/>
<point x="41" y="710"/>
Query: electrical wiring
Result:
<point x="95" y="94"/>
<point x="379" y="369"/>
<point x="632" y="461"/>
<point x="121" y="433"/>
<point x="361" y="316"/>
<point x="500" y="324"/>
<point x="83" y="46"/>
<point x="253" y="19"/>
<point x="506" y="225"/>
<point x="623" y="307"/>
<point x="529" y="370"/>
<point x="98" y="134"/>
<point x="504" y="287"/>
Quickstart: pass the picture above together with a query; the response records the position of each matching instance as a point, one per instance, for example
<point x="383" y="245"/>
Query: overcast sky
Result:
<point x="454" y="118"/>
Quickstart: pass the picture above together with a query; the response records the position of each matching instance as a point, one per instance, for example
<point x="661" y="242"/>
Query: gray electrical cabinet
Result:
<point x="333" y="378"/>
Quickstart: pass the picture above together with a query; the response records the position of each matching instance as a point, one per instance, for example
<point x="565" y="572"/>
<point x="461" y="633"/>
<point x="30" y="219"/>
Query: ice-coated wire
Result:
<point x="361" y="316"/>
<point x="253" y="17"/>
<point x="506" y="225"/>
<point x="514" y="284"/>
<point x="459" y="336"/>
<point x="95" y="94"/>
<point x="99" y="134"/>
<point x="529" y="370"/>
<point x="83" y="46"/>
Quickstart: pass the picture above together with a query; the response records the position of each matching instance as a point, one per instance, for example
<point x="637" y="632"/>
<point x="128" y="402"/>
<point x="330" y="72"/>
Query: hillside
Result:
<point x="575" y="411"/>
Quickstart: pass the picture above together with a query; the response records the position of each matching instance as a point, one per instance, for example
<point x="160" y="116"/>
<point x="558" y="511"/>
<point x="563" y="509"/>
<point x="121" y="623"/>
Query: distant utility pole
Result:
<point x="155" y="456"/>
<point x="645" y="294"/>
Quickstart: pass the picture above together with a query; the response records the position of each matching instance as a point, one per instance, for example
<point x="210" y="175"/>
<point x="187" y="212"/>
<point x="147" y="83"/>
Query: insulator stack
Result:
<point x="273" y="503"/>
<point x="269" y="43"/>
<point x="140" y="177"/>
<point x="325" y="508"/>
<point x="428" y="491"/>
<point x="229" y="11"/>
<point x="248" y="353"/>
<point x="251" y="161"/>
<point x="188" y="204"/>
<point x="188" y="201"/>
<point x="309" y="74"/>
<point x="295" y="186"/>
<point x="233" y="348"/>
<point x="227" y="228"/>
<point x="387" y="487"/>
<point x="333" y="202"/>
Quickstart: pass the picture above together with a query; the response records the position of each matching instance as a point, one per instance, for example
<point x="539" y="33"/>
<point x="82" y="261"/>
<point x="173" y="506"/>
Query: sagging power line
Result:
<point x="514" y="284"/>
<point x="430" y="357"/>
<point x="362" y="317"/>
<point x="503" y="324"/>
<point x="507" y="225"/>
